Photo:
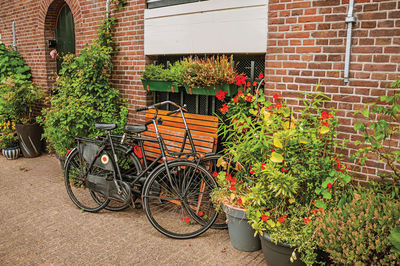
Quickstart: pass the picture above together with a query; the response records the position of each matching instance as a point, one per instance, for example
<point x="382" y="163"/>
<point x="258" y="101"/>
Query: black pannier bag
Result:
<point x="101" y="178"/>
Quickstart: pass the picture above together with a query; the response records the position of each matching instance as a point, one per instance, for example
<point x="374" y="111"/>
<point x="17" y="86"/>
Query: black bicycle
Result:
<point x="176" y="194"/>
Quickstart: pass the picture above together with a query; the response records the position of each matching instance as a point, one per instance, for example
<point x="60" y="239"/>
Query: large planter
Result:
<point x="11" y="153"/>
<point x="156" y="85"/>
<point x="277" y="254"/>
<point x="241" y="233"/>
<point x="213" y="90"/>
<point x="30" y="139"/>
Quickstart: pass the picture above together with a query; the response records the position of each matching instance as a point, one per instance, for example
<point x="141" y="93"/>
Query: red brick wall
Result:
<point x="306" y="46"/>
<point x="35" y="24"/>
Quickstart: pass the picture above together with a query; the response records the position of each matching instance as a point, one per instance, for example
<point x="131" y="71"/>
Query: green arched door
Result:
<point x="65" y="33"/>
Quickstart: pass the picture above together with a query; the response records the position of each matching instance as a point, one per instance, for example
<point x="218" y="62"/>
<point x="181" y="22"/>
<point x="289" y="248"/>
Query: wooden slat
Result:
<point x="202" y="128"/>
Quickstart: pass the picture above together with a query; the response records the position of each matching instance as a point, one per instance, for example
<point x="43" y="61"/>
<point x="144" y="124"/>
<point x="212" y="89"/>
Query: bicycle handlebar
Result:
<point x="154" y="106"/>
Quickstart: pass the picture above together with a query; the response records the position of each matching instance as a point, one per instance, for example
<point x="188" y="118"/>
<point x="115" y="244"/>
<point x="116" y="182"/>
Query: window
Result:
<point x="163" y="3"/>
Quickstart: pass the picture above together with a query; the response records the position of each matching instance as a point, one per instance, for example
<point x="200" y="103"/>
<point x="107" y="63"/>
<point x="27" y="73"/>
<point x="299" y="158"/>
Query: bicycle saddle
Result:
<point x="105" y="126"/>
<point x="135" y="128"/>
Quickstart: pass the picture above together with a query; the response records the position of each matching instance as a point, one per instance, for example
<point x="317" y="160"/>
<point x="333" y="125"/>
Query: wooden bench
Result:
<point x="203" y="129"/>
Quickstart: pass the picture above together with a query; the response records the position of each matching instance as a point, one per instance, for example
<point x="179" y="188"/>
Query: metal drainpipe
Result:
<point x="108" y="8"/>
<point x="14" y="45"/>
<point x="350" y="19"/>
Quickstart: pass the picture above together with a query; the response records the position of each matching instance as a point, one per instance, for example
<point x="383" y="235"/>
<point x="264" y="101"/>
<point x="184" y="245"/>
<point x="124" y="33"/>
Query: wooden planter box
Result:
<point x="157" y="85"/>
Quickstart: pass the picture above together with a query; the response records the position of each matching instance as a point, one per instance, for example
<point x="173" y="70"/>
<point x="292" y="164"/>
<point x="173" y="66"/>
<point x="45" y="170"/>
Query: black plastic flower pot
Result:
<point x="277" y="254"/>
<point x="30" y="139"/>
<point x="241" y="233"/>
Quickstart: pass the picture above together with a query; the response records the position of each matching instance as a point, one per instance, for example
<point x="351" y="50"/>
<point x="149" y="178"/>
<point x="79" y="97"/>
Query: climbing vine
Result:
<point x="83" y="95"/>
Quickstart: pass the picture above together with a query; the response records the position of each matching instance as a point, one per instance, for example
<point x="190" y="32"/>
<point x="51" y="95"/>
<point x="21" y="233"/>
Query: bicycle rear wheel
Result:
<point x="210" y="164"/>
<point x="75" y="182"/>
<point x="180" y="206"/>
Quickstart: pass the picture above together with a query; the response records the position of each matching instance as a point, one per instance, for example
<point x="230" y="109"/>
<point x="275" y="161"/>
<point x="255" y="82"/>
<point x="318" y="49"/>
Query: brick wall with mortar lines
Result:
<point x="35" y="22"/>
<point x="306" y="46"/>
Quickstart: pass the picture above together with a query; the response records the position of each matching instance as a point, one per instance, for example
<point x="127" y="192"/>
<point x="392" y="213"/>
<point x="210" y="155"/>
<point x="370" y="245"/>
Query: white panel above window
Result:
<point x="215" y="26"/>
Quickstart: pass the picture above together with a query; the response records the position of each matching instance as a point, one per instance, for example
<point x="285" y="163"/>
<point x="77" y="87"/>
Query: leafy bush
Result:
<point x="12" y="65"/>
<point x="8" y="140"/>
<point x="357" y="233"/>
<point x="382" y="125"/>
<point x="83" y="95"/>
<point x="17" y="98"/>
<point x="158" y="72"/>
<point x="17" y="92"/>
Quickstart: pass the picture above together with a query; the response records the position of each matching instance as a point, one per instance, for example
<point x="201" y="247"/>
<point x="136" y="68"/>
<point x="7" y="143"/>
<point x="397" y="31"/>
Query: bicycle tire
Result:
<point x="75" y="178"/>
<point x="210" y="164"/>
<point x="181" y="209"/>
<point x="129" y="166"/>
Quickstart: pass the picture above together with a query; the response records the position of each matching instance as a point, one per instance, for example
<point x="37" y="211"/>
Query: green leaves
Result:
<point x="276" y="157"/>
<point x="394" y="239"/>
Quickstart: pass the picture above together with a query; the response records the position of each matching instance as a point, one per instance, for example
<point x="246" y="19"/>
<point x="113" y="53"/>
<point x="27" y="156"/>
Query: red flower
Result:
<point x="329" y="185"/>
<point x="263" y="166"/>
<point x="283" y="170"/>
<point x="278" y="105"/>
<point x="138" y="151"/>
<point x="224" y="109"/>
<point x="348" y="167"/>
<point x="273" y="148"/>
<point x="254" y="83"/>
<point x="276" y="96"/>
<point x="249" y="98"/>
<point x="313" y="203"/>
<point x="228" y="177"/>
<point x="306" y="220"/>
<point x="187" y="220"/>
<point x="240" y="93"/>
<point x="232" y="187"/>
<point x="282" y="219"/>
<point x="320" y="209"/>
<point x="181" y="218"/>
<point x="234" y="180"/>
<point x="325" y="115"/>
<point x="251" y="170"/>
<point x="248" y="84"/>
<point x="260" y="76"/>
<point x="215" y="174"/>
<point x="325" y="124"/>
<point x="240" y="200"/>
<point x="314" y="211"/>
<point x="221" y="95"/>
<point x="264" y="217"/>
<point x="236" y="99"/>
<point x="240" y="80"/>
<point x="201" y="213"/>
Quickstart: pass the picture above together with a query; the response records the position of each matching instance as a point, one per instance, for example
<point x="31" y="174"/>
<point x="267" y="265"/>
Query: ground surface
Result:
<point x="40" y="225"/>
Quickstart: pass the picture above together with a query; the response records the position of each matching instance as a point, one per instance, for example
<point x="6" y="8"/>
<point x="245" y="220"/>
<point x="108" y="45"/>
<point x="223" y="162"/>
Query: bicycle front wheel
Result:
<point x="177" y="200"/>
<point x="75" y="182"/>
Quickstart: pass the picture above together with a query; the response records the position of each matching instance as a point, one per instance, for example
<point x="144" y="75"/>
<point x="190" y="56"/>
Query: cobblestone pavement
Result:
<point x="39" y="225"/>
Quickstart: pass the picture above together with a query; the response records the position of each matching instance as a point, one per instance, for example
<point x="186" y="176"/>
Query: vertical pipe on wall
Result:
<point x="108" y="8"/>
<point x="350" y="19"/>
<point x="14" y="45"/>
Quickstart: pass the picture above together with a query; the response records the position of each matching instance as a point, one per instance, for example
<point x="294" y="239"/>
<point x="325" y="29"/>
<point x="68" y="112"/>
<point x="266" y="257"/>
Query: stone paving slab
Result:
<point x="39" y="225"/>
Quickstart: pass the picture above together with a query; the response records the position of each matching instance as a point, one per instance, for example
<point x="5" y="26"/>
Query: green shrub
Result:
<point x="357" y="233"/>
<point x="8" y="141"/>
<point x="12" y="65"/>
<point x="83" y="95"/>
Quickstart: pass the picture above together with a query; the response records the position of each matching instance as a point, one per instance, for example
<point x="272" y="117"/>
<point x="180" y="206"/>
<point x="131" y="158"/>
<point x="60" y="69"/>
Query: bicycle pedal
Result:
<point x="138" y="205"/>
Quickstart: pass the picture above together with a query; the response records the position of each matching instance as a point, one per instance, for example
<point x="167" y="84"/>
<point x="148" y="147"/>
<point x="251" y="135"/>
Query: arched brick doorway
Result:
<point x="58" y="15"/>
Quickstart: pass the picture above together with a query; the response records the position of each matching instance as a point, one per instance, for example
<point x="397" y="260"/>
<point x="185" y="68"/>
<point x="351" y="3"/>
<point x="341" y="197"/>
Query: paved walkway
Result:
<point x="39" y="225"/>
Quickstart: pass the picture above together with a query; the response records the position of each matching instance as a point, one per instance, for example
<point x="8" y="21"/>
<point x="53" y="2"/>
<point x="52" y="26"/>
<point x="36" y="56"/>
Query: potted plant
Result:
<point x="9" y="142"/>
<point x="159" y="78"/>
<point x="233" y="182"/>
<point x="289" y="161"/>
<point x="18" y="95"/>
<point x="209" y="76"/>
